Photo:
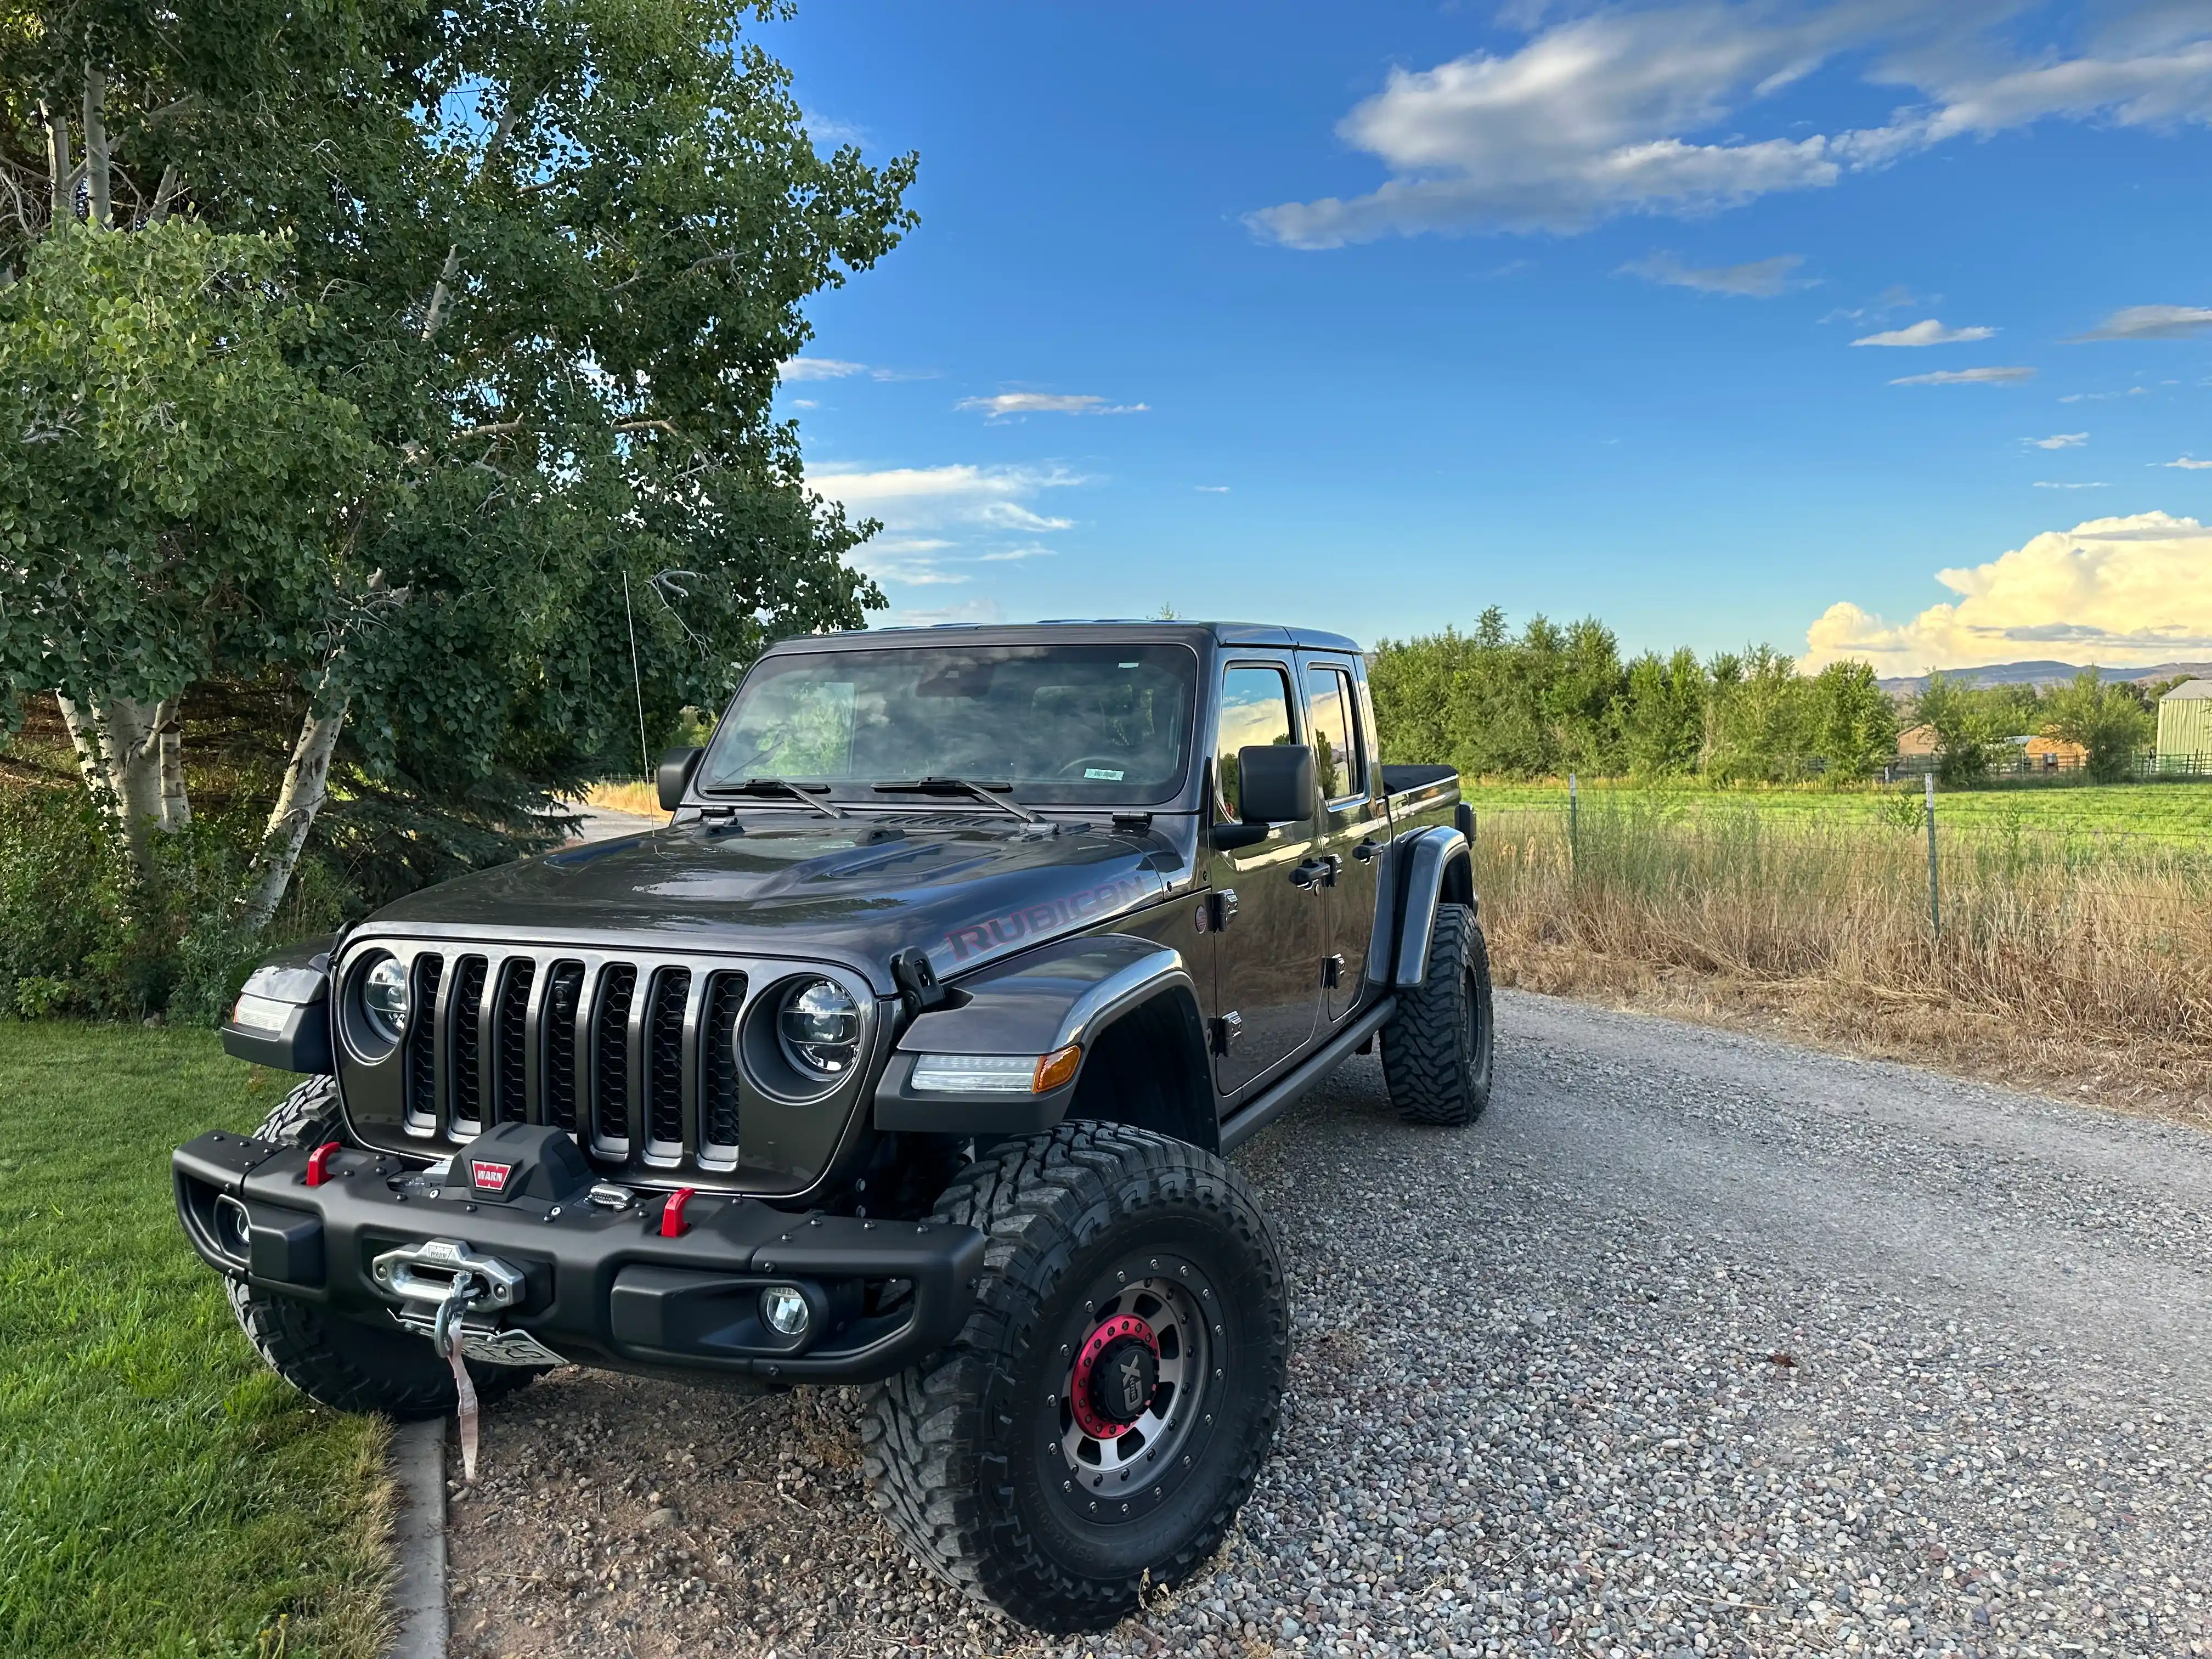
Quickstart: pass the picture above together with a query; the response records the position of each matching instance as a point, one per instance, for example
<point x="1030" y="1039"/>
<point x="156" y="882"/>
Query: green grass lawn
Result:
<point x="2178" y="813"/>
<point x="160" y="1492"/>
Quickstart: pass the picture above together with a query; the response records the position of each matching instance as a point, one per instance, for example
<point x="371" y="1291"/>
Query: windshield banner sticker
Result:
<point x="1037" y="922"/>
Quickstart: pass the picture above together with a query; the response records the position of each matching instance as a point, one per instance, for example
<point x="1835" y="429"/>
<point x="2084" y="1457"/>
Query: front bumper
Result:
<point x="598" y="1286"/>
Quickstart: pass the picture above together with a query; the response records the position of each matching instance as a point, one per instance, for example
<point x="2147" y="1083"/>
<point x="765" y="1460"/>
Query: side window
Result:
<point x="1339" y="766"/>
<point x="1255" y="709"/>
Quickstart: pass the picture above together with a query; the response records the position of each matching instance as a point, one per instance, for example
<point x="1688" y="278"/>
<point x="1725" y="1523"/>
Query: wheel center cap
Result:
<point x="1116" y="1375"/>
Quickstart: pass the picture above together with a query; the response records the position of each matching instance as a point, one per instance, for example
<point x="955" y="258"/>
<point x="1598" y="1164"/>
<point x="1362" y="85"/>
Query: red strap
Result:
<point x="672" y="1213"/>
<point x="319" y="1162"/>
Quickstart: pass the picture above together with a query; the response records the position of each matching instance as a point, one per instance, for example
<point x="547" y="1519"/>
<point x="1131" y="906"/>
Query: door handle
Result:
<point x="1368" y="851"/>
<point x="1317" y="872"/>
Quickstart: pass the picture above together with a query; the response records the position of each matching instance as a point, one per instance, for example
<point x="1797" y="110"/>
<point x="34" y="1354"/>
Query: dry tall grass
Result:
<point x="2061" y="958"/>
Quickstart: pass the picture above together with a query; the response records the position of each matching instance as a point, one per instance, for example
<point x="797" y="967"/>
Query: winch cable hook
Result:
<point x="445" y="1338"/>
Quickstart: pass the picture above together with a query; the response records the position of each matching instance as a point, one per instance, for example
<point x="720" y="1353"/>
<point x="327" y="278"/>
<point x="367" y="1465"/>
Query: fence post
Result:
<point x="1934" y="899"/>
<point x="1574" y="825"/>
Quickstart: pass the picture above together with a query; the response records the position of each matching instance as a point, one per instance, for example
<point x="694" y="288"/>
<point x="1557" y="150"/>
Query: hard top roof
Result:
<point x="1079" y="629"/>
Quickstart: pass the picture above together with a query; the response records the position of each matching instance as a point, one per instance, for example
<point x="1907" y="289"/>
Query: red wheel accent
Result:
<point x="1079" y="1387"/>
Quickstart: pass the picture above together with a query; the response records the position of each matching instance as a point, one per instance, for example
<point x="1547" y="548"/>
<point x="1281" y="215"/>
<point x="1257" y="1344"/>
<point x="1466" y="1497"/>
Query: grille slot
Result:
<point x="564" y="994"/>
<point x="422" y="1042"/>
<point x="664" y="1046"/>
<point x="511" y="1034"/>
<point x="610" y="1058"/>
<point x="717" y="1063"/>
<point x="467" y="1044"/>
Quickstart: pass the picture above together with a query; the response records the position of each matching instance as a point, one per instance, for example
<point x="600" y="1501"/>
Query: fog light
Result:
<point x="784" y="1310"/>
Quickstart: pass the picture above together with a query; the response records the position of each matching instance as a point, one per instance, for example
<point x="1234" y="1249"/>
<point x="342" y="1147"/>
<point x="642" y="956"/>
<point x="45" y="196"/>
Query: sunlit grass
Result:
<point x="160" y="1492"/>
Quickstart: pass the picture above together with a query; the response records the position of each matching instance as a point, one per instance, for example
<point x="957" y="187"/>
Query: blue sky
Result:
<point x="1369" y="316"/>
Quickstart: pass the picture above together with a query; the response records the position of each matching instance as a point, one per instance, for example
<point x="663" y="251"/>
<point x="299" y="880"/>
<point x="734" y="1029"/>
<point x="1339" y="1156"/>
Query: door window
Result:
<point x="1338" y="765"/>
<point x="1255" y="710"/>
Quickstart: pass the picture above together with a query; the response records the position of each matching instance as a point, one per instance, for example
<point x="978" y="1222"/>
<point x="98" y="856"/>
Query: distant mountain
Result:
<point x="2039" y="673"/>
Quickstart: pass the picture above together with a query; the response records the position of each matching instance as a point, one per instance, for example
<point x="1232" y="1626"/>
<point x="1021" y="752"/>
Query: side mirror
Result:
<point x="676" y="768"/>
<point x="1274" y="785"/>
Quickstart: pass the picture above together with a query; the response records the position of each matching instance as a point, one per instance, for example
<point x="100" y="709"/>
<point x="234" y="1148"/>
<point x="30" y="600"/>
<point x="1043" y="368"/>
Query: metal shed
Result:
<point x="2185" y="723"/>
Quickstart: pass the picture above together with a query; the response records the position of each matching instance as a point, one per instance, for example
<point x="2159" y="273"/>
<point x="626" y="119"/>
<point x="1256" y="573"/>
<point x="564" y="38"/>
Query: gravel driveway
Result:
<point x="1698" y="1343"/>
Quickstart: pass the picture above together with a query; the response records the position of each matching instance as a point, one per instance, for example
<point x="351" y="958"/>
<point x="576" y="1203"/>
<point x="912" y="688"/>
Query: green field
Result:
<point x="161" y="1494"/>
<point x="2177" y="813"/>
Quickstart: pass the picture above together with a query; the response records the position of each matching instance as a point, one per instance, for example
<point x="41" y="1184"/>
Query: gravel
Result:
<point x="1697" y="1344"/>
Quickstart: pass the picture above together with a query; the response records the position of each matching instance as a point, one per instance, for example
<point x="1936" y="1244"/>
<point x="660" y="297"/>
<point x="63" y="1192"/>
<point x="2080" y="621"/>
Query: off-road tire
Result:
<point x="349" y="1364"/>
<point x="1436" y="1046"/>
<point x="961" y="1450"/>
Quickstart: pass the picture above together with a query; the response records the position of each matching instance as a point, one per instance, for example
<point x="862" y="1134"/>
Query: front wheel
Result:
<point x="1106" y="1409"/>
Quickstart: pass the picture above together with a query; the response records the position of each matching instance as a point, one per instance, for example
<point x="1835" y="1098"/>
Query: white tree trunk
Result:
<point x="118" y="749"/>
<point x="169" y="729"/>
<point x="96" y="166"/>
<point x="306" y="788"/>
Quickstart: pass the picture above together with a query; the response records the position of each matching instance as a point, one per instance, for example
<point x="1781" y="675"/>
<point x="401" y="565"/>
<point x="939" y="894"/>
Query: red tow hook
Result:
<point x="671" y="1213"/>
<point x="319" y="1162"/>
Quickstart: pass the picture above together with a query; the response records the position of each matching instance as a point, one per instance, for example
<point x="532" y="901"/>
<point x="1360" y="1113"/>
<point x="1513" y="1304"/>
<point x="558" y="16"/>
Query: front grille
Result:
<point x="638" y="1060"/>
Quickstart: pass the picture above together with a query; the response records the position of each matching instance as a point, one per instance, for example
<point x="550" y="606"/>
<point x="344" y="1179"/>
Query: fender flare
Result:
<point x="1067" y="991"/>
<point x="1435" y="867"/>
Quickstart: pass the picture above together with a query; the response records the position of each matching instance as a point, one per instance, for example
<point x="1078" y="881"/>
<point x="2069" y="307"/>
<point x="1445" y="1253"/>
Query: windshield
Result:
<point x="1061" y="723"/>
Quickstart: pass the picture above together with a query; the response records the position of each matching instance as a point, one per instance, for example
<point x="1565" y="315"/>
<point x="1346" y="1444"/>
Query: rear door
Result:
<point x="1354" y="828"/>
<point x="1267" y="959"/>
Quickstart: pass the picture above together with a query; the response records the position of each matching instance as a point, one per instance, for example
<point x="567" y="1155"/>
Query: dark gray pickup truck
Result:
<point x="906" y="1055"/>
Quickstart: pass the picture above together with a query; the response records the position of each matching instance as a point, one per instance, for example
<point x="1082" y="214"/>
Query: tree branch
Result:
<point x="726" y="257"/>
<point x="164" y="194"/>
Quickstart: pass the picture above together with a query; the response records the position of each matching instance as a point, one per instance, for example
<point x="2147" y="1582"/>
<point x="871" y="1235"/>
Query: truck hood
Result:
<point x="857" y="891"/>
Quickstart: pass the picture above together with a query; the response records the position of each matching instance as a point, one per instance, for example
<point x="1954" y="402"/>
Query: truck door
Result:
<point x="1354" y="827"/>
<point x="1266" y="974"/>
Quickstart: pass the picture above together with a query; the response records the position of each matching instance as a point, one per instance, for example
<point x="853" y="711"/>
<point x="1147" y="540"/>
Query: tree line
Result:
<point x="1554" y="699"/>
<point x="409" y="371"/>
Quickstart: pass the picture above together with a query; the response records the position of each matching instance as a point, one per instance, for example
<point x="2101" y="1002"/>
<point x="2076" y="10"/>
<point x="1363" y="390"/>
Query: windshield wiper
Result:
<point x="981" y="791"/>
<point x="781" y="787"/>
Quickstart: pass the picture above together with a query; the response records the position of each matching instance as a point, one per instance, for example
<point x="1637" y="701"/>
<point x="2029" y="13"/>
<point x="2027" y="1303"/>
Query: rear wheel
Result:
<point x="350" y="1364"/>
<point x="1105" y="1411"/>
<point x="1437" y="1048"/>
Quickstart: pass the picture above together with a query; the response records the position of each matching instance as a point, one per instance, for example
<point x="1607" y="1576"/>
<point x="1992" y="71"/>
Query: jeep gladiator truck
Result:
<point x="906" y="1055"/>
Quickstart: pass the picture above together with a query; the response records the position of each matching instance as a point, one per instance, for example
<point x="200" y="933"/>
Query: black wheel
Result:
<point x="350" y="1364"/>
<point x="1107" y="1408"/>
<point x="1436" y="1050"/>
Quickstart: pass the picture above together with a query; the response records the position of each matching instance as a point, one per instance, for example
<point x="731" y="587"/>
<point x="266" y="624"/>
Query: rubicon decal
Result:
<point x="1037" y="920"/>
<point x="489" y="1177"/>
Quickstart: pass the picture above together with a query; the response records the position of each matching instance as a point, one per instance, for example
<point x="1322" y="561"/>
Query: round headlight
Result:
<point x="819" y="1026"/>
<point x="384" y="997"/>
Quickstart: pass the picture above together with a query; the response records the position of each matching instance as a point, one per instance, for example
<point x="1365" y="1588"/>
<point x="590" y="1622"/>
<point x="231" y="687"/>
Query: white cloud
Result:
<point x="1211" y="489"/>
<point x="1758" y="278"/>
<point x="816" y="369"/>
<point x="1928" y="332"/>
<point x="1016" y="555"/>
<point x="1047" y="402"/>
<point x="980" y="608"/>
<point x="2119" y="591"/>
<point x="2100" y="397"/>
<point x="2194" y="466"/>
<point x="1893" y="298"/>
<point x="1968" y="377"/>
<point x="2059" y="440"/>
<point x="1637" y="110"/>
<point x="938" y="521"/>
<point x="2044" y="484"/>
<point x="2152" y="323"/>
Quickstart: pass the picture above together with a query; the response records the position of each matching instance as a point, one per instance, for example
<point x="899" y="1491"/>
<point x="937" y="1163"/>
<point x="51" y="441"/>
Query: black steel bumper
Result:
<point x="599" y="1286"/>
